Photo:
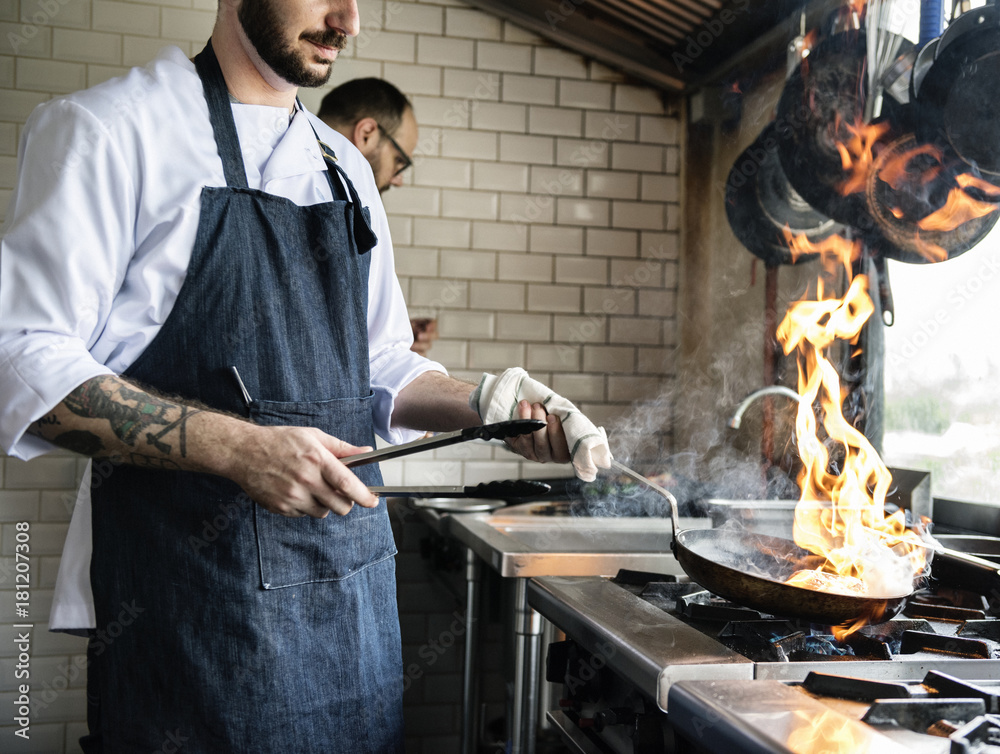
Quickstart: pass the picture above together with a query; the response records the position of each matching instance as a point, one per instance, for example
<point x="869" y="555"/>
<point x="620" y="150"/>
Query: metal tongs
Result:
<point x="499" y="489"/>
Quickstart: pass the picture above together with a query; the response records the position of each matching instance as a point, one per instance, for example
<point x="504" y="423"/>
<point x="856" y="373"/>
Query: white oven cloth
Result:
<point x="496" y="399"/>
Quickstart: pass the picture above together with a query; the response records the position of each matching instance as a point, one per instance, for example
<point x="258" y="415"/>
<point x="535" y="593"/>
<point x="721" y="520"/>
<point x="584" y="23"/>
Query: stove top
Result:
<point x="657" y="664"/>
<point x="659" y="632"/>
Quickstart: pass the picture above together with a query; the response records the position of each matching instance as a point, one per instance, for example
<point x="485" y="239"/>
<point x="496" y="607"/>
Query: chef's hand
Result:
<point x="296" y="471"/>
<point x="544" y="445"/>
<point x="499" y="397"/>
<point x="424" y="333"/>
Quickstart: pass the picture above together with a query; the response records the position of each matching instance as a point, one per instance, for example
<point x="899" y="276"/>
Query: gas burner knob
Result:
<point x="614" y="716"/>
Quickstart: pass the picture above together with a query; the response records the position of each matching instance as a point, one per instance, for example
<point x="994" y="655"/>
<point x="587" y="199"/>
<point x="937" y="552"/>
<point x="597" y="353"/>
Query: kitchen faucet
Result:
<point x="772" y="389"/>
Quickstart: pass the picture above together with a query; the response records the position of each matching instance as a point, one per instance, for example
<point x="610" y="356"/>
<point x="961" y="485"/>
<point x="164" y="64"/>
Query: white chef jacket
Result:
<point x="98" y="239"/>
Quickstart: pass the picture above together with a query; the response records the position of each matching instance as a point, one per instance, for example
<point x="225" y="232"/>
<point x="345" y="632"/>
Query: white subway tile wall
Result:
<point x="539" y="224"/>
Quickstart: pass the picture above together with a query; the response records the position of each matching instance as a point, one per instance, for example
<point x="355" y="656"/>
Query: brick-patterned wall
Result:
<point x="539" y="224"/>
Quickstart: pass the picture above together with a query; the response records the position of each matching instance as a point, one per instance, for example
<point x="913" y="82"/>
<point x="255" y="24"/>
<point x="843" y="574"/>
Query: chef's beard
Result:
<point x="261" y="22"/>
<point x="376" y="162"/>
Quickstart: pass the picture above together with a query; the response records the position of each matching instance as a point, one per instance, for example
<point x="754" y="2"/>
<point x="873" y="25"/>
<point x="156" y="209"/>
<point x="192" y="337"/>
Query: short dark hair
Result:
<point x="374" y="98"/>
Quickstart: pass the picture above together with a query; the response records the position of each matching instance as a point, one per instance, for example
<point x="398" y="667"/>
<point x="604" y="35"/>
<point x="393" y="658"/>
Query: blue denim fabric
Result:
<point x="257" y="633"/>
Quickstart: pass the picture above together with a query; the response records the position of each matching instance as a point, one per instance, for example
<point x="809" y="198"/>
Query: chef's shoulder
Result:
<point x="160" y="102"/>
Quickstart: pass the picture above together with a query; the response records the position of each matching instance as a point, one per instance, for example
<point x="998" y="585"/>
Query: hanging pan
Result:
<point x="761" y="204"/>
<point x="908" y="188"/>
<point x="959" y="94"/>
<point x="823" y="98"/>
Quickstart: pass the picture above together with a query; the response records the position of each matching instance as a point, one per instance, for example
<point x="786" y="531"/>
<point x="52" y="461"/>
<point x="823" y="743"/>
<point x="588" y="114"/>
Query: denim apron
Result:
<point x="247" y="631"/>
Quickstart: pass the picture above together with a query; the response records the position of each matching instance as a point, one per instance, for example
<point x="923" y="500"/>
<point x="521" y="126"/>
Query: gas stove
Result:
<point x="653" y="665"/>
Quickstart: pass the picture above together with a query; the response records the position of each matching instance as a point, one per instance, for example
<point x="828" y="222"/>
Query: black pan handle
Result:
<point x="508" y="489"/>
<point x="962" y="569"/>
<point x="503" y="430"/>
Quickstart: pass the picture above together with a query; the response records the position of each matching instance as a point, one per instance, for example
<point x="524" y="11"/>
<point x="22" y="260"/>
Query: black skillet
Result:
<point x="718" y="560"/>
<point x="958" y="95"/>
<point x="822" y="97"/>
<point x="898" y="204"/>
<point x="825" y="94"/>
<point x="761" y="204"/>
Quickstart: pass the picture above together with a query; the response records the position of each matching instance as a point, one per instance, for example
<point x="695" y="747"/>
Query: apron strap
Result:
<point x="227" y="141"/>
<point x="364" y="236"/>
<point x="220" y="111"/>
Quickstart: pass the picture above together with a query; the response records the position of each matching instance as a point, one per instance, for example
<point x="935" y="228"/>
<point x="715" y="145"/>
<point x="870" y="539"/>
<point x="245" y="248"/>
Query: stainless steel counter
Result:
<point x="524" y="546"/>
<point x="519" y="545"/>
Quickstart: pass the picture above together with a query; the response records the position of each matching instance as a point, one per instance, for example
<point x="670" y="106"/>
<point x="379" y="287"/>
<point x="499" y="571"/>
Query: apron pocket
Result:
<point x="304" y="550"/>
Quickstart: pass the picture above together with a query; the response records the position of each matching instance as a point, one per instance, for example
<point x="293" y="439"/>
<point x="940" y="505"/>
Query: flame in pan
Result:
<point x="841" y="512"/>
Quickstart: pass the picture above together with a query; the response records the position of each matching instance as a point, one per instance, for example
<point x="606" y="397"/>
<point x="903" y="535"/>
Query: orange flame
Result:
<point x="841" y="513"/>
<point x="911" y="171"/>
<point x="898" y="170"/>
<point x="857" y="152"/>
<point x="968" y="180"/>
<point x="958" y="209"/>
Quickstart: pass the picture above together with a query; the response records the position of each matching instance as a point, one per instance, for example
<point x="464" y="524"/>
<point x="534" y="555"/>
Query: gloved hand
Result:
<point x="496" y="399"/>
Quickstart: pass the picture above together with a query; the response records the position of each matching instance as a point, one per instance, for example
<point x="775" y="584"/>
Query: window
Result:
<point x="942" y="372"/>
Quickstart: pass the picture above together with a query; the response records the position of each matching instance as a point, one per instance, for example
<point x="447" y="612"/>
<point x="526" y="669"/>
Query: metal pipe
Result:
<point x="770" y="390"/>
<point x="469" y="695"/>
<point x="527" y="649"/>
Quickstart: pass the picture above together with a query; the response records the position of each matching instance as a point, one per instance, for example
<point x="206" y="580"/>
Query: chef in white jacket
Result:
<point x="196" y="282"/>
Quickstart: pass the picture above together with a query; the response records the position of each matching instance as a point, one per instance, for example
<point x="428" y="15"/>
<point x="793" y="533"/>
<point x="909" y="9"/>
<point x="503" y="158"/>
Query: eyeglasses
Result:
<point x="403" y="160"/>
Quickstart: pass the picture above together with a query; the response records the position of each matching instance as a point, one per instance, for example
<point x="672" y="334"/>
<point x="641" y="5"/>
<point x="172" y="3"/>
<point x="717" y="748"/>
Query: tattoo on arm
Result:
<point x="139" y="419"/>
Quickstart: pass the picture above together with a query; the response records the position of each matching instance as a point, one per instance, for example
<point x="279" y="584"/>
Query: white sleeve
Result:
<point x="392" y="365"/>
<point x="391" y="362"/>
<point x="63" y="255"/>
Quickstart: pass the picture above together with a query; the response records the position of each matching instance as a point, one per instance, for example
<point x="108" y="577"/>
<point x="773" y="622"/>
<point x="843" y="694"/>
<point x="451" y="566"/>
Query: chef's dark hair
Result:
<point x="374" y="98"/>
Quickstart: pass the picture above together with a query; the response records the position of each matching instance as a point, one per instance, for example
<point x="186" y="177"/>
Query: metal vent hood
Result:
<point x="673" y="45"/>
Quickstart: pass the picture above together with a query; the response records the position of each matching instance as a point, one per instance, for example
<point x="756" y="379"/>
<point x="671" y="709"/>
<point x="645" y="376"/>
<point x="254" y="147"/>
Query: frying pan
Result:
<point x="761" y="203"/>
<point x="823" y="96"/>
<point x="718" y="561"/>
<point x="898" y="205"/>
<point x="958" y="94"/>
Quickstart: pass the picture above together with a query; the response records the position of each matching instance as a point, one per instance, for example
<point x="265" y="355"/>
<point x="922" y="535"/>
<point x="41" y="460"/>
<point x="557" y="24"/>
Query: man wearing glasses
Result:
<point x="378" y="119"/>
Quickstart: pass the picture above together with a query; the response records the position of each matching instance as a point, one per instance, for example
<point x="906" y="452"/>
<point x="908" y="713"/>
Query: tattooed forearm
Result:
<point x="108" y="417"/>
<point x="80" y="441"/>
<point x="181" y="425"/>
<point x="129" y="411"/>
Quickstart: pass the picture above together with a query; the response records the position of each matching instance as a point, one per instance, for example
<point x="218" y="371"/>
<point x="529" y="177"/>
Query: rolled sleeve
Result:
<point x="62" y="258"/>
<point x="391" y="372"/>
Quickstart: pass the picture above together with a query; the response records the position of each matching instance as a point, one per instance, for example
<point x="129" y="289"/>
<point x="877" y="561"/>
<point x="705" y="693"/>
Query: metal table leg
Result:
<point x="469" y="688"/>
<point x="527" y="648"/>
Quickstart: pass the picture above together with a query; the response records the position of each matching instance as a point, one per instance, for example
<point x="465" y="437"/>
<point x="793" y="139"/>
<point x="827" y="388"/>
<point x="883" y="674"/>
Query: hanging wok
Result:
<point x="761" y="204"/>
<point x="959" y="93"/>
<point x="823" y="97"/>
<point x="899" y="200"/>
<point x="718" y="561"/>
